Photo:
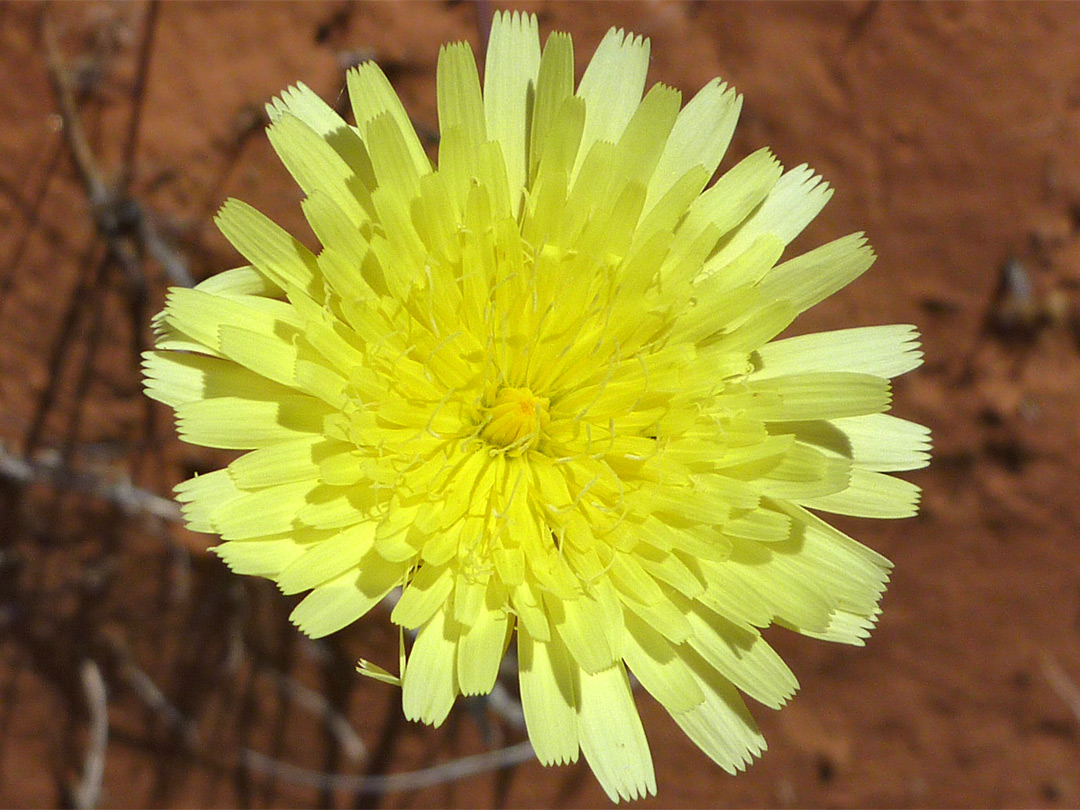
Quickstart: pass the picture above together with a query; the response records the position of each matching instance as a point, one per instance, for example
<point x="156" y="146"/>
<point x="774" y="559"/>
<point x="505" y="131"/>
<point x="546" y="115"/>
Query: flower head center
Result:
<point x="515" y="420"/>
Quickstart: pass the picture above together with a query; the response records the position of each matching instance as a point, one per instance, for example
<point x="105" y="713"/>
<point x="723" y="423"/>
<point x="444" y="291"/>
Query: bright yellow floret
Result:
<point x="537" y="388"/>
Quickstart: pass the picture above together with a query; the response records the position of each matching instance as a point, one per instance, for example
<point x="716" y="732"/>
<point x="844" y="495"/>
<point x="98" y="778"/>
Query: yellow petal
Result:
<point x="612" y="88"/>
<point x="372" y="95"/>
<point x="870" y="494"/>
<point x="652" y="659"/>
<point x="742" y="657"/>
<point x="820" y="395"/>
<point x="612" y="737"/>
<point x="271" y="510"/>
<point x="202" y="495"/>
<point x="328" y="559"/>
<point x="233" y="423"/>
<point x="342" y="601"/>
<point x="513" y="61"/>
<point x="482" y="644"/>
<point x="458" y="92"/>
<point x="699" y="138"/>
<point x="260" y="558"/>
<point x="426" y="594"/>
<point x="317" y="166"/>
<point x="798" y="197"/>
<point x="320" y="116"/>
<point x="812" y="277"/>
<point x="269" y="248"/>
<point x="549" y="698"/>
<point x="885" y="351"/>
<point x="554" y="84"/>
<point x="429" y="685"/>
<point x="720" y="726"/>
<point x="283" y="463"/>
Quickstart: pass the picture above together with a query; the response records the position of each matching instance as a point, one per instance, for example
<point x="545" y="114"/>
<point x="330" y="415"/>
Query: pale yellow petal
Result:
<point x="483" y="643"/>
<point x="653" y="661"/>
<point x="699" y="138"/>
<point x="845" y="627"/>
<point x="239" y="281"/>
<point x="372" y="95"/>
<point x="554" y="84"/>
<point x="321" y="117"/>
<point x="732" y="198"/>
<point x="426" y="594"/>
<point x="643" y="141"/>
<point x="611" y="87"/>
<point x="513" y="62"/>
<point x="429" y="683"/>
<point x="260" y="558"/>
<point x="202" y="495"/>
<point x="283" y="463"/>
<point x="870" y="494"/>
<point x="549" y="697"/>
<point x="878" y="442"/>
<point x="342" y="601"/>
<point x="266" y="511"/>
<point x="612" y="737"/>
<point x="820" y="395"/>
<point x="267" y="355"/>
<point x="269" y="248"/>
<point x="580" y="623"/>
<point x="233" y="423"/>
<point x="886" y="351"/>
<point x="742" y="657"/>
<point x="814" y="276"/>
<point x="720" y="726"/>
<point x="317" y="166"/>
<point x="328" y="559"/>
<point x="458" y="91"/>
<point x="337" y="233"/>
<point x="200" y="315"/>
<point x="798" y="197"/>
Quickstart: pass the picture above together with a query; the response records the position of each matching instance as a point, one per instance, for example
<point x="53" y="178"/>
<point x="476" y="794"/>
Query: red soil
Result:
<point x="950" y="132"/>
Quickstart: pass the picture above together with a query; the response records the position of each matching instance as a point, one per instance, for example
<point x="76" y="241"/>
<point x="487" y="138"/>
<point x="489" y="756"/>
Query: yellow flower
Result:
<point x="537" y="388"/>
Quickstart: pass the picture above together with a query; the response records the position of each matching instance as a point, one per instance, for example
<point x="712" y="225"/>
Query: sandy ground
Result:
<point x="950" y="132"/>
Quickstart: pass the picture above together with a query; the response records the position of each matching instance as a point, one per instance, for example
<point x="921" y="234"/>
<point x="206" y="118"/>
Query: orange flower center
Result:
<point x="516" y="420"/>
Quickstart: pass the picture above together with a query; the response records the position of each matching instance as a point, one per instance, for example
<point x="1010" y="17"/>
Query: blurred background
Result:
<point x="136" y="671"/>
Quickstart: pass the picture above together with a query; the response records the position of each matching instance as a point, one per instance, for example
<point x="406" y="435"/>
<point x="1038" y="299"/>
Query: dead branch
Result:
<point x="86" y="793"/>
<point x="48" y="467"/>
<point x="1062" y="684"/>
<point x="316" y="704"/>
<point x="119" y="218"/>
<point x="150" y="693"/>
<point x="506" y="706"/>
<point x="451" y="771"/>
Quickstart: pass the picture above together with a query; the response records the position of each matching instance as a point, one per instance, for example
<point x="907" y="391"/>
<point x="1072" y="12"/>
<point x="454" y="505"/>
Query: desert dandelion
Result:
<point x="537" y="388"/>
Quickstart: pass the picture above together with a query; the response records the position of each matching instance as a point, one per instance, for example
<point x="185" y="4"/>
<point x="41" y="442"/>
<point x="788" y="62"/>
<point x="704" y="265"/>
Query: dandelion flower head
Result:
<point x="536" y="387"/>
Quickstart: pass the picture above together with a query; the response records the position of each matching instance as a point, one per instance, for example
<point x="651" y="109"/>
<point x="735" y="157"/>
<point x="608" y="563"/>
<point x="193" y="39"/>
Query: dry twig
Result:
<point x="120" y="219"/>
<point x="452" y="771"/>
<point x="1062" y="684"/>
<point x="316" y="704"/>
<point x="150" y="693"/>
<point x="86" y="793"/>
<point x="48" y="467"/>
